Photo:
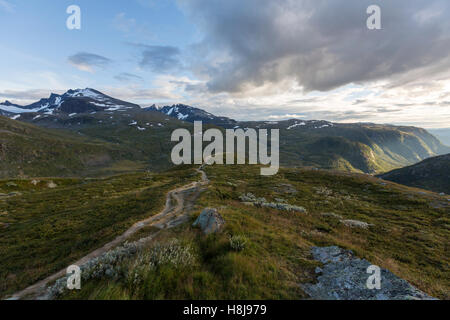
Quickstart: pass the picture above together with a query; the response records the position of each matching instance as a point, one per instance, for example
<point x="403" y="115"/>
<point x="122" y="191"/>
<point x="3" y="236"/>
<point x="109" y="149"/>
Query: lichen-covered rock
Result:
<point x="332" y="215"/>
<point x="250" y="199"/>
<point x="285" y="188"/>
<point x="356" y="224"/>
<point x="210" y="221"/>
<point x="344" y="277"/>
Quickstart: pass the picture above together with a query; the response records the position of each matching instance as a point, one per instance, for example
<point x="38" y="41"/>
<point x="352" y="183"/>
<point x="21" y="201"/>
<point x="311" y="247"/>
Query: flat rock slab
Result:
<point x="344" y="277"/>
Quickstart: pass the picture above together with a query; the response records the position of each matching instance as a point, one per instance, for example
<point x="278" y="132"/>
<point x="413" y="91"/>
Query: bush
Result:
<point x="167" y="254"/>
<point x="238" y="243"/>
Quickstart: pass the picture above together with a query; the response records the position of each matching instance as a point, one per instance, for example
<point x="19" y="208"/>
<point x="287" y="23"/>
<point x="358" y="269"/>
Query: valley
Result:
<point x="86" y="177"/>
<point x="127" y="138"/>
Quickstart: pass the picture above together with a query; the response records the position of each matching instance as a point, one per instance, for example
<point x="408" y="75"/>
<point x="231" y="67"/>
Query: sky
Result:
<point x="246" y="59"/>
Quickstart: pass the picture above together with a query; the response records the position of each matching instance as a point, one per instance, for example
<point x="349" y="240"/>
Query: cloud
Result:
<point x="24" y="97"/>
<point x="88" y="61"/>
<point x="159" y="59"/>
<point x="285" y="116"/>
<point x="320" y="44"/>
<point x="128" y="77"/>
<point x="6" y="6"/>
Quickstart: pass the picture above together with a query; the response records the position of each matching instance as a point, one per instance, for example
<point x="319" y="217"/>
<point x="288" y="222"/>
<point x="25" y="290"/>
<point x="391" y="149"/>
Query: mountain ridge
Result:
<point x="358" y="147"/>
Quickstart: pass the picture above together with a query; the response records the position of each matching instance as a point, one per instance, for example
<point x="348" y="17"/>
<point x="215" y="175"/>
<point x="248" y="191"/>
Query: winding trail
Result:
<point x="171" y="216"/>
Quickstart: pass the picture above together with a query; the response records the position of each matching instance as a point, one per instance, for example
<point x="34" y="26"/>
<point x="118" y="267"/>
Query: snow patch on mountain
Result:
<point x="17" y="109"/>
<point x="87" y="93"/>
<point x="297" y="124"/>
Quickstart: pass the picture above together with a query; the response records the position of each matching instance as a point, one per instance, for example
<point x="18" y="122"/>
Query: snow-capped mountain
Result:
<point x="191" y="114"/>
<point x="9" y="109"/>
<point x="72" y="102"/>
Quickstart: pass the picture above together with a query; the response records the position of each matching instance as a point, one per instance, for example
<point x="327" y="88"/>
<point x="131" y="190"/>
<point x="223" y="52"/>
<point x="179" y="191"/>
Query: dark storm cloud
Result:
<point x="322" y="44"/>
<point x="159" y="59"/>
<point x="88" y="61"/>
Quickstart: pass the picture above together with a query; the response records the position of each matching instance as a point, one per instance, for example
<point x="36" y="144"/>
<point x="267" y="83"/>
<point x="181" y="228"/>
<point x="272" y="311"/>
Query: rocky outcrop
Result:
<point x="348" y="223"/>
<point x="356" y="224"/>
<point x="285" y="188"/>
<point x="251" y="200"/>
<point x="210" y="221"/>
<point x="344" y="277"/>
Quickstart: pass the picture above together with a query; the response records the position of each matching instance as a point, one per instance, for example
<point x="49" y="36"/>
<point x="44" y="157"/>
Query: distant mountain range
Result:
<point x="431" y="174"/>
<point x="442" y="134"/>
<point x="129" y="138"/>
<point x="191" y="114"/>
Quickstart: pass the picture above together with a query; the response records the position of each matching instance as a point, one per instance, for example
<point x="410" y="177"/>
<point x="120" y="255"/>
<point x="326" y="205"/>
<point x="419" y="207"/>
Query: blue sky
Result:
<point x="35" y="38"/>
<point x="247" y="59"/>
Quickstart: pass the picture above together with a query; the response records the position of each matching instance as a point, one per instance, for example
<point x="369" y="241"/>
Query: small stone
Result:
<point x="109" y="273"/>
<point x="52" y="185"/>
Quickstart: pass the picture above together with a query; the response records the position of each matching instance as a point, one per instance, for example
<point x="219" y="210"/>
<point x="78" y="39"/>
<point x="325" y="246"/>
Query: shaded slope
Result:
<point x="432" y="174"/>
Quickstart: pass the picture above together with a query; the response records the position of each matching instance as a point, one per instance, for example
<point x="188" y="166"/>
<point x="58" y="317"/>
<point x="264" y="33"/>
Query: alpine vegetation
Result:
<point x="214" y="152"/>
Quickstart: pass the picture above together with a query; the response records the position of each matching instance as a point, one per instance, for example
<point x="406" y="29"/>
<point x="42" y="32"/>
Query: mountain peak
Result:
<point x="7" y="103"/>
<point x="74" y="101"/>
<point x="191" y="114"/>
<point x="86" y="92"/>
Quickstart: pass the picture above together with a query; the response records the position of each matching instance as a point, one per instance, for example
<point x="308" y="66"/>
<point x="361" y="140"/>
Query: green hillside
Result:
<point x="408" y="233"/>
<point x="47" y="223"/>
<point x="364" y="148"/>
<point x="431" y="174"/>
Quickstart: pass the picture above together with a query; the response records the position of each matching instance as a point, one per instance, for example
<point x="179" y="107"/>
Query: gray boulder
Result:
<point x="210" y="221"/>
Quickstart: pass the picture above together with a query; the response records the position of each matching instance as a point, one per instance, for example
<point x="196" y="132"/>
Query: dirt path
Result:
<point x="171" y="216"/>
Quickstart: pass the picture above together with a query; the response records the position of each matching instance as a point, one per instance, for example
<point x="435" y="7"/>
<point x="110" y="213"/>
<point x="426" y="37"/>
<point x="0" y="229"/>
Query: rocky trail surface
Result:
<point x="179" y="202"/>
<point x="345" y="277"/>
